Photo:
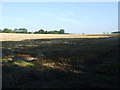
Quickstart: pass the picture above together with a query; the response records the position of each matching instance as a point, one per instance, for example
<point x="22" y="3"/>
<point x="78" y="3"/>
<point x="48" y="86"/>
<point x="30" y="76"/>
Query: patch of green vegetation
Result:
<point x="7" y="59"/>
<point x="23" y="63"/>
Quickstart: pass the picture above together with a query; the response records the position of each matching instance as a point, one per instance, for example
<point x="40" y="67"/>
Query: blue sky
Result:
<point x="74" y="17"/>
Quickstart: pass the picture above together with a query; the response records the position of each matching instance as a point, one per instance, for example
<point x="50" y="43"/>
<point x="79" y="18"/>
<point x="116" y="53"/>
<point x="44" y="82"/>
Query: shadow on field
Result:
<point x="61" y="63"/>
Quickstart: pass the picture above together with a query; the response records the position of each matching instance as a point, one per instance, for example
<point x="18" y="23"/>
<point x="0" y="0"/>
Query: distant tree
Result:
<point x="20" y="30"/>
<point x="50" y="32"/>
<point x="29" y="32"/>
<point x="41" y="31"/>
<point x="103" y="32"/>
<point x="6" y="30"/>
<point x="36" y="32"/>
<point x="116" y="32"/>
<point x="54" y="32"/>
<point x="23" y="30"/>
<point x="45" y="32"/>
<point x="0" y="30"/>
<point x="62" y="31"/>
<point x="15" y="30"/>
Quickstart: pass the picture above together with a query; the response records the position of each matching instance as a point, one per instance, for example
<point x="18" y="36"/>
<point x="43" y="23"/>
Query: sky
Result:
<point x="73" y="17"/>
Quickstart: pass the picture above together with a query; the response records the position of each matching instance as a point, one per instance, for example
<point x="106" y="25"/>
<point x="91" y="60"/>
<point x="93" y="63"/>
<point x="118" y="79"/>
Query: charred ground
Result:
<point x="61" y="63"/>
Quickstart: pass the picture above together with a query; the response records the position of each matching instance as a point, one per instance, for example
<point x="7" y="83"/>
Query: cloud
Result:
<point x="45" y="13"/>
<point x="66" y="19"/>
<point x="62" y="16"/>
<point x="66" y="14"/>
<point x="69" y="20"/>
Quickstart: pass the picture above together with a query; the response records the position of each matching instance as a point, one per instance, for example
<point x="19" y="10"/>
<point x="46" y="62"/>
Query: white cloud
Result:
<point x="69" y="20"/>
<point x="66" y="19"/>
<point x="68" y="14"/>
<point x="45" y="13"/>
<point x="61" y="16"/>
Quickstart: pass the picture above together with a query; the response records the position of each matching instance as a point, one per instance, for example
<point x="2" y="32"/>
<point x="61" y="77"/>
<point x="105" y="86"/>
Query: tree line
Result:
<point x="24" y="30"/>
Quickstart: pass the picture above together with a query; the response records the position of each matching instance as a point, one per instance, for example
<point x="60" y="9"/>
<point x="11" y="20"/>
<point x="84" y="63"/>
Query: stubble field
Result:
<point x="60" y="61"/>
<point x="19" y="37"/>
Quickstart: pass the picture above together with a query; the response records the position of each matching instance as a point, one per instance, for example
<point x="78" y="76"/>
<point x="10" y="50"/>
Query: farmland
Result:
<point x="19" y="37"/>
<point x="60" y="61"/>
